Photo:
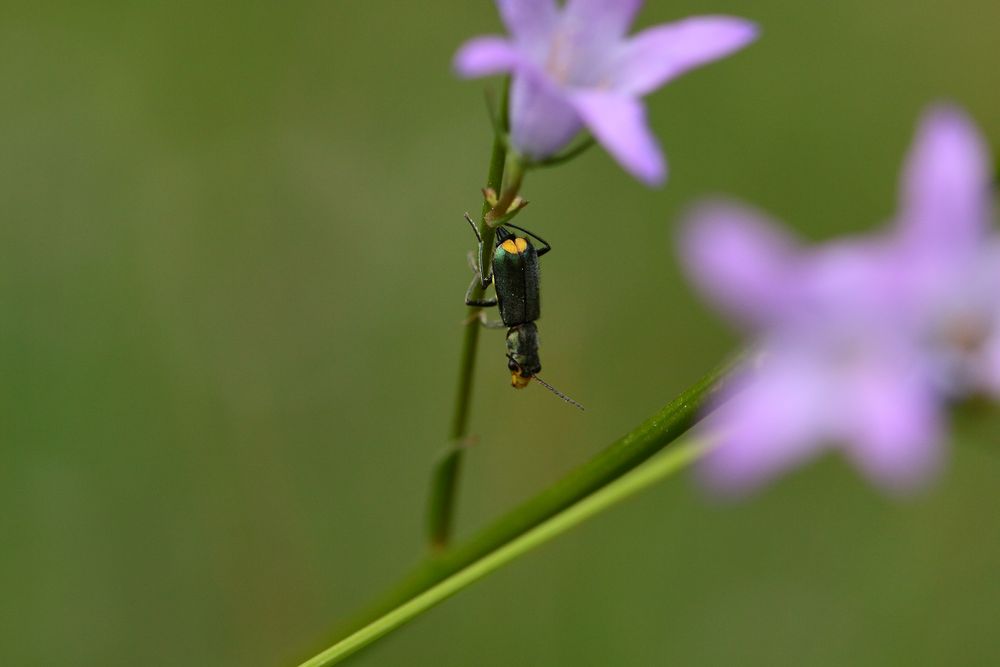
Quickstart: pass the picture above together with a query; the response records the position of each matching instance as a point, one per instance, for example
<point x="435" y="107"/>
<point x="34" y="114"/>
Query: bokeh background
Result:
<point x="232" y="259"/>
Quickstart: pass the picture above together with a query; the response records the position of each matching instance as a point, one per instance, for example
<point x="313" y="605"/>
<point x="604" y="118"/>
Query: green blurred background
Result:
<point x="232" y="259"/>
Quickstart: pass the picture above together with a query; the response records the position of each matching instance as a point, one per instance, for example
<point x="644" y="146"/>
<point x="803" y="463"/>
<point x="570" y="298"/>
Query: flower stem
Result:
<point x="447" y="472"/>
<point x="629" y="484"/>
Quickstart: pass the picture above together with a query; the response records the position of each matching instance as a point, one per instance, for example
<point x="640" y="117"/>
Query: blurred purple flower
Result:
<point x="835" y="363"/>
<point x="952" y="253"/>
<point x="861" y="341"/>
<point x="574" y="66"/>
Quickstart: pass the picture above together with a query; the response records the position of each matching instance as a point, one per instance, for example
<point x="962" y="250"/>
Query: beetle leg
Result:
<point x="475" y="231"/>
<point x="478" y="275"/>
<point x="490" y="324"/>
<point x="485" y="321"/>
<point x="485" y="276"/>
<point x="473" y="260"/>
<point x="480" y="303"/>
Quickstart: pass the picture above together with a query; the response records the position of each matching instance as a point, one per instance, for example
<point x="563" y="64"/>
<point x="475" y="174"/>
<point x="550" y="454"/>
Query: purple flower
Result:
<point x="952" y="253"/>
<point x="834" y="363"/>
<point x="861" y="342"/>
<point x="574" y="67"/>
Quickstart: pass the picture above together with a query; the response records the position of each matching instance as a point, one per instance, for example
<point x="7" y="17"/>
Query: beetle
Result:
<point x="516" y="279"/>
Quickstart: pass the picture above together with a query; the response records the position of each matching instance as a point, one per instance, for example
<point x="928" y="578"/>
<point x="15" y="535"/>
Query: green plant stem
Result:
<point x="611" y="494"/>
<point x="447" y="472"/>
<point x="622" y="456"/>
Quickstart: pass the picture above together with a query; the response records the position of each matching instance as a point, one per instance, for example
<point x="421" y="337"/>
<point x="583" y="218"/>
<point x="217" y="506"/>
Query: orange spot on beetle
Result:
<point x="519" y="381"/>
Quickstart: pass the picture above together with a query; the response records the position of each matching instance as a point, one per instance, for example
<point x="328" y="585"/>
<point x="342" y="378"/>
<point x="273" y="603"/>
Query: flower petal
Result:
<point x="771" y="423"/>
<point x="529" y="21"/>
<point x="662" y="53"/>
<point x="483" y="56"/>
<point x="739" y="258"/>
<point x="543" y="121"/>
<point x="855" y="278"/>
<point x="601" y="20"/>
<point x="946" y="183"/>
<point x="893" y="432"/>
<point x="618" y="122"/>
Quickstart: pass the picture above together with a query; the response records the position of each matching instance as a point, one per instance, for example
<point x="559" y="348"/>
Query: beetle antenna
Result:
<point x="560" y="394"/>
